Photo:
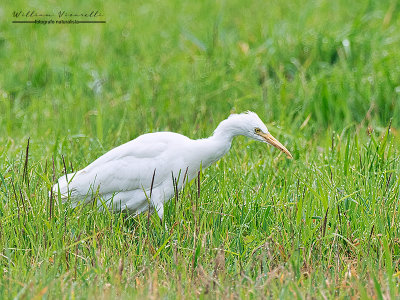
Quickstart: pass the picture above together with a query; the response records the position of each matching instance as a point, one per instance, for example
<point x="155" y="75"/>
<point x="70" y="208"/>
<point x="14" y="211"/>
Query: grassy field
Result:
<point x="323" y="75"/>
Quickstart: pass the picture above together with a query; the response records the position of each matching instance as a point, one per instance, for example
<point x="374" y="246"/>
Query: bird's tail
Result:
<point x="62" y="187"/>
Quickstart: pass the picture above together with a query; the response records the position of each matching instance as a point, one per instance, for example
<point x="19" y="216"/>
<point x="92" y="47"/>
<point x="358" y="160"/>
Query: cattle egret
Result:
<point x="145" y="172"/>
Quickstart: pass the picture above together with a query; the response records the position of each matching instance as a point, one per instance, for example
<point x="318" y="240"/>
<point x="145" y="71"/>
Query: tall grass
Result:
<point x="323" y="75"/>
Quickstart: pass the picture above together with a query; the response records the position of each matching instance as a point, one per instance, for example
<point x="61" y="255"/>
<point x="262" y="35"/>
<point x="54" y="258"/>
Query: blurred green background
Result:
<point x="173" y="65"/>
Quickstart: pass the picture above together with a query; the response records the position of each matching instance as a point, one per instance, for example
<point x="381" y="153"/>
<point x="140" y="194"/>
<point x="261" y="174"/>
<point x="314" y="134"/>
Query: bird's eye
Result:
<point x="257" y="130"/>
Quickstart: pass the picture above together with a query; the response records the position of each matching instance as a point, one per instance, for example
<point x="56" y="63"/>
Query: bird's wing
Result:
<point x="127" y="167"/>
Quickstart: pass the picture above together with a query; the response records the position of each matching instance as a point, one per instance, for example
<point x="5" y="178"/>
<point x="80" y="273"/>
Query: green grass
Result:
<point x="323" y="75"/>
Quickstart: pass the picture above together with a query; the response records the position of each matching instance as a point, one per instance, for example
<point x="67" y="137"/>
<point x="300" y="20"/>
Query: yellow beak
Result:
<point x="274" y="142"/>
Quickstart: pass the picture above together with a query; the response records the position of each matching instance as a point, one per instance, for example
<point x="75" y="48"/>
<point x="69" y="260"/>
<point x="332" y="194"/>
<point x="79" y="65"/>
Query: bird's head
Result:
<point x="250" y="125"/>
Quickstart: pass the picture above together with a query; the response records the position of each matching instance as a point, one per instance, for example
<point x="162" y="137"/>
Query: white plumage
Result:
<point x="123" y="177"/>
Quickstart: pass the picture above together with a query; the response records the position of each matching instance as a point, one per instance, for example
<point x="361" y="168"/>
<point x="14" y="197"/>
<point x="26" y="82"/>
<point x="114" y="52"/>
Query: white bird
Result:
<point x="139" y="175"/>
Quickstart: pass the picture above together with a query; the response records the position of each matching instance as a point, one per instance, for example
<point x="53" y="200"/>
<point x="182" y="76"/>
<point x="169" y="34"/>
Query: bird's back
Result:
<point x="127" y="167"/>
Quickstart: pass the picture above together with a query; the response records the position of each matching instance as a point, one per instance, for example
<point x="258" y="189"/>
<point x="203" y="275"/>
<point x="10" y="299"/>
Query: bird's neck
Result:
<point x="217" y="145"/>
<point x="210" y="150"/>
<point x="227" y="130"/>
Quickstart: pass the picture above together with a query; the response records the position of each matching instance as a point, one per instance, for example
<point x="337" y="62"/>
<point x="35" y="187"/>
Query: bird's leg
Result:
<point x="160" y="210"/>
